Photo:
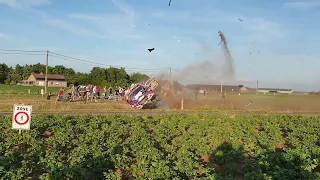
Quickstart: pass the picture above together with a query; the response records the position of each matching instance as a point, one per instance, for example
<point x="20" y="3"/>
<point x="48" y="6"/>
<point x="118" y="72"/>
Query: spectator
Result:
<point x="87" y="92"/>
<point x="60" y="94"/>
<point x="117" y="91"/>
<point x="98" y="91"/>
<point x="94" y="93"/>
<point x="110" y="90"/>
<point x="105" y="91"/>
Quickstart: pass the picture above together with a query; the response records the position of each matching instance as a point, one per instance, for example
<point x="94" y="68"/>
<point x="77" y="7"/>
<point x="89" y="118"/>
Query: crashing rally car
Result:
<point x="141" y="94"/>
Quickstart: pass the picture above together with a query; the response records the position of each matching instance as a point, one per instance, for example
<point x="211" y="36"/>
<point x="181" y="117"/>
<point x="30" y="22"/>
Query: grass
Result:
<point x="41" y="104"/>
<point x="15" y="89"/>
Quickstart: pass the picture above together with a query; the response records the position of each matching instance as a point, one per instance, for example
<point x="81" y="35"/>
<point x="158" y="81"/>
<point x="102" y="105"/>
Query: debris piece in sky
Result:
<point x="240" y="20"/>
<point x="150" y="50"/>
<point x="258" y="51"/>
<point x="169" y="2"/>
<point x="221" y="39"/>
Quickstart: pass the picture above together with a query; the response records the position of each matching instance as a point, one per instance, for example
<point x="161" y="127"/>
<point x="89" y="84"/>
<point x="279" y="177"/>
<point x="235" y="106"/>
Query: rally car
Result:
<point x="141" y="94"/>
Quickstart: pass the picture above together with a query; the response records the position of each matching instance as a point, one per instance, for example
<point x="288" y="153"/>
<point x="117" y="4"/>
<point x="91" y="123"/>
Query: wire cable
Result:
<point x="18" y="50"/>
<point x="102" y="64"/>
<point x="69" y="58"/>
<point x="23" y="53"/>
<point x="92" y="63"/>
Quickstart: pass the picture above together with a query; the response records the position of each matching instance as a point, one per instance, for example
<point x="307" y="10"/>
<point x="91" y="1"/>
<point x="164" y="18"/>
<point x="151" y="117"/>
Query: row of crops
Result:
<point x="162" y="147"/>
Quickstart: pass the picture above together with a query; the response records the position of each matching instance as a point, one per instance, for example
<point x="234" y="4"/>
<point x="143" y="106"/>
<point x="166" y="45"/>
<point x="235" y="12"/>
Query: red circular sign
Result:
<point x="23" y="123"/>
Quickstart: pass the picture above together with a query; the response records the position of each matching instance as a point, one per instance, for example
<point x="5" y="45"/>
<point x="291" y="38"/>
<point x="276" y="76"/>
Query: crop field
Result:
<point x="163" y="147"/>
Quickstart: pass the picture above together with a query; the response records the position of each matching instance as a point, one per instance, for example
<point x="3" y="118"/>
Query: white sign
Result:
<point x="21" y="116"/>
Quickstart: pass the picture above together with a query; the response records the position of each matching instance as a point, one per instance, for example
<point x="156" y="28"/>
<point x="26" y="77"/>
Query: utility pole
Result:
<point x="257" y="87"/>
<point x="221" y="82"/>
<point x="46" y="76"/>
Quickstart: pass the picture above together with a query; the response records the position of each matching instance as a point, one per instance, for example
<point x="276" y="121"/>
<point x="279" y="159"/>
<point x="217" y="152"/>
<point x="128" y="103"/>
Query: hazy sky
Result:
<point x="276" y="43"/>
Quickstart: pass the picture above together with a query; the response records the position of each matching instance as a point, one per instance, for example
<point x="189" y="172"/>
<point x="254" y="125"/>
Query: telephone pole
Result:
<point x="257" y="87"/>
<point x="46" y="76"/>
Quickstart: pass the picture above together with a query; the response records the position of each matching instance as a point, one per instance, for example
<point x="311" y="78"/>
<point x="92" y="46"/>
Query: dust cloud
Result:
<point x="207" y="70"/>
<point x="203" y="72"/>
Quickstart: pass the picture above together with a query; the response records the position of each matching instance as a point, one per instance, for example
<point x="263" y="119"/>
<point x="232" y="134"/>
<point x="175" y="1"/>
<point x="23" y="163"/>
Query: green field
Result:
<point x="24" y="90"/>
<point x="162" y="147"/>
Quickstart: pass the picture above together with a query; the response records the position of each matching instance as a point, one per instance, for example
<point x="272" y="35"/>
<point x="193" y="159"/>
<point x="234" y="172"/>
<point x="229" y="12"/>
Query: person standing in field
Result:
<point x="87" y="92"/>
<point x="60" y="94"/>
<point x="105" y="91"/>
<point x="98" y="91"/>
<point x="94" y="93"/>
<point x="110" y="90"/>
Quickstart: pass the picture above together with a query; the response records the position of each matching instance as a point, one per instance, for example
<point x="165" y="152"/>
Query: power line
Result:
<point x="92" y="63"/>
<point x="18" y="50"/>
<point x="32" y="54"/>
<point x="69" y="58"/>
<point x="102" y="64"/>
<point x="86" y="63"/>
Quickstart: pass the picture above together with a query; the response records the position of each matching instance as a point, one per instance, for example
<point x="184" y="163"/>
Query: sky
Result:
<point x="275" y="43"/>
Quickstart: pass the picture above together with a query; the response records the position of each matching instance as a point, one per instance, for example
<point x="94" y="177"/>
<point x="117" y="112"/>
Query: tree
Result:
<point x="138" y="77"/>
<point x="15" y="78"/>
<point x="3" y="72"/>
<point x="99" y="76"/>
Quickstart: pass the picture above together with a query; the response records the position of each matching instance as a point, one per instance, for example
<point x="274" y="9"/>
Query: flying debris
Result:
<point x="220" y="37"/>
<point x="240" y="20"/>
<point x="169" y="2"/>
<point x="150" y="50"/>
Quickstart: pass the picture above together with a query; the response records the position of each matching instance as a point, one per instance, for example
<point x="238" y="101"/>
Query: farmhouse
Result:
<point x="54" y="80"/>
<point x="228" y="88"/>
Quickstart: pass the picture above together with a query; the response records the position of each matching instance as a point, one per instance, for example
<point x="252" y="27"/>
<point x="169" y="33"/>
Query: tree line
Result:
<point x="99" y="76"/>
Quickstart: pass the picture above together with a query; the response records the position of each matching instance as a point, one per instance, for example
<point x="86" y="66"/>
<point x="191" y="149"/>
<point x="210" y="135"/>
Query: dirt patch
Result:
<point x="48" y="133"/>
<point x="205" y="158"/>
<point x="260" y="127"/>
<point x="246" y="155"/>
<point x="280" y="147"/>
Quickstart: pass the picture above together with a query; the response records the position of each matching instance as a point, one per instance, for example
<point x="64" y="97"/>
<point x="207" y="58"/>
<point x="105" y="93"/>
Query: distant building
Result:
<point x="272" y="90"/>
<point x="54" y="80"/>
<point x="228" y="88"/>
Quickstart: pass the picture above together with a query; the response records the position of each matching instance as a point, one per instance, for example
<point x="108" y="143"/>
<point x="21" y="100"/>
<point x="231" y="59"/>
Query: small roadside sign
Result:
<point x="21" y="116"/>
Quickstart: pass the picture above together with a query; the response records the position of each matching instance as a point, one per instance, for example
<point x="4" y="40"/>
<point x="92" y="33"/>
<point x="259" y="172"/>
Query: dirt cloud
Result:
<point x="204" y="71"/>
